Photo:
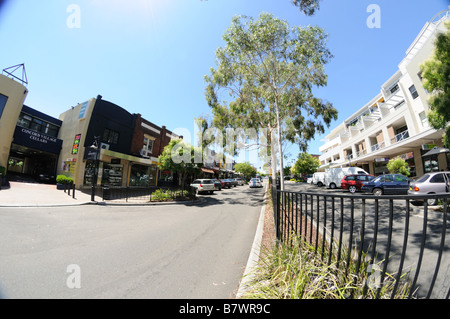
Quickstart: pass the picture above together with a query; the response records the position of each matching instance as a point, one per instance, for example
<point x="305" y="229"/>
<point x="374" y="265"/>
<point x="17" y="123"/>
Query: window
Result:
<point x="35" y="124"/>
<point x="399" y="178"/>
<point x="110" y="136"/>
<point x="413" y="91"/>
<point x="148" y="145"/>
<point x="3" y="100"/>
<point x="394" y="88"/>
<point x="438" y="178"/>
<point x="350" y="178"/>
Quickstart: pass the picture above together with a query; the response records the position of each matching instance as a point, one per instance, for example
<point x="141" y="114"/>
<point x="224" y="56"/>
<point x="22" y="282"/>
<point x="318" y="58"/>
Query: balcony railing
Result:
<point x="400" y="137"/>
<point x="377" y="147"/>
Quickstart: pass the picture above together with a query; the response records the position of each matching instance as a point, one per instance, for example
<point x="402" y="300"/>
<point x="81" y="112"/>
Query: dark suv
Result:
<point x="354" y="182"/>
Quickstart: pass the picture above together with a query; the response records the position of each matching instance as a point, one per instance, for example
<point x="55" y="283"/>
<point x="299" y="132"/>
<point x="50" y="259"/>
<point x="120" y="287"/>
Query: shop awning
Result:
<point x="205" y="170"/>
<point x="134" y="159"/>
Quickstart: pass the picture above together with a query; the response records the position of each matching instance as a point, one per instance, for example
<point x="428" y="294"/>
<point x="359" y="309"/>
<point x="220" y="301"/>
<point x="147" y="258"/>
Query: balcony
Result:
<point x="400" y="137"/>
<point x="377" y="147"/>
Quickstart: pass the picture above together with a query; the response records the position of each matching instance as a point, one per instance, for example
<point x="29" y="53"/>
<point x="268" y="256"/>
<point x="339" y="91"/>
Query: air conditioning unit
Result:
<point x="104" y="146"/>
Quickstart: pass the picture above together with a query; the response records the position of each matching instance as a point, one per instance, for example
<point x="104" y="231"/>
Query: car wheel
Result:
<point x="332" y="185"/>
<point x="319" y="184"/>
<point x="352" y="189"/>
<point x="377" y="192"/>
<point x="432" y="201"/>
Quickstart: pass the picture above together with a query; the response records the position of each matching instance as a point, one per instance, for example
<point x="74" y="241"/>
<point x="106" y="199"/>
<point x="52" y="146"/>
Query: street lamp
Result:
<point x="95" y="172"/>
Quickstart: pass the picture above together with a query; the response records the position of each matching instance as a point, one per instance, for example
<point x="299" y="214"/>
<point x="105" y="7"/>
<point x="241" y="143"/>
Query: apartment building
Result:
<point x="394" y="122"/>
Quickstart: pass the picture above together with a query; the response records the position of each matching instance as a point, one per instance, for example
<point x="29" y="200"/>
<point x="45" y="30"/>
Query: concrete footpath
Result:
<point x="22" y="194"/>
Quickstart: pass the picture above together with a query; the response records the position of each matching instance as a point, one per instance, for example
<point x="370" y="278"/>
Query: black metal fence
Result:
<point x="404" y="237"/>
<point x="147" y="194"/>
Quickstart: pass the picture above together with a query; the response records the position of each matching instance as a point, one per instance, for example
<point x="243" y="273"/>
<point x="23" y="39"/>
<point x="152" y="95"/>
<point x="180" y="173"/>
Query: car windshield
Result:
<point x="207" y="181"/>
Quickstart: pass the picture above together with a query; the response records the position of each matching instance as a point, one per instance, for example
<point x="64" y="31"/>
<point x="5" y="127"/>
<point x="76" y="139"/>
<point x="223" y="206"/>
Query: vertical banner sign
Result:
<point x="83" y="110"/>
<point x="76" y="144"/>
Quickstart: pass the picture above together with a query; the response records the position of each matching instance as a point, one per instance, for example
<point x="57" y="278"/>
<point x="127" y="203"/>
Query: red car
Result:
<point x="354" y="182"/>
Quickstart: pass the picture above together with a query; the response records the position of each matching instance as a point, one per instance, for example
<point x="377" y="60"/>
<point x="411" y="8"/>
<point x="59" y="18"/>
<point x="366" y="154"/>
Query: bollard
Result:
<point x="73" y="191"/>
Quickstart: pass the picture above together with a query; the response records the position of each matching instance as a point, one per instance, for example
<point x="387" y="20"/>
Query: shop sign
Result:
<point x="76" y="144"/>
<point x="34" y="139"/>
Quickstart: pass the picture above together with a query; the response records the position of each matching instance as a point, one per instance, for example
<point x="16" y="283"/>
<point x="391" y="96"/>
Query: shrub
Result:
<point x="63" y="179"/>
<point x="161" y="195"/>
<point x="2" y="171"/>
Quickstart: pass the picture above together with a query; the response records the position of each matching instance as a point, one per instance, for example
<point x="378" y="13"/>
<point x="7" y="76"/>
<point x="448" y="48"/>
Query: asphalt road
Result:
<point x="173" y="251"/>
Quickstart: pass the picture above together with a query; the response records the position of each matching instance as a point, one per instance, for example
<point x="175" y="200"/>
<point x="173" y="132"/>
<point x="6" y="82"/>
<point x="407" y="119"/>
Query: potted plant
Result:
<point x="62" y="181"/>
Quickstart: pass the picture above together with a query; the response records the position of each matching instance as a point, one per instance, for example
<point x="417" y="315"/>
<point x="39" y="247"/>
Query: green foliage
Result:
<point x="268" y="71"/>
<point x="305" y="164"/>
<point x="308" y="7"/>
<point x="161" y="195"/>
<point x="2" y="171"/>
<point x="63" y="179"/>
<point x="179" y="156"/>
<point x="246" y="169"/>
<point x="436" y="79"/>
<point x="296" y="271"/>
<point x="398" y="165"/>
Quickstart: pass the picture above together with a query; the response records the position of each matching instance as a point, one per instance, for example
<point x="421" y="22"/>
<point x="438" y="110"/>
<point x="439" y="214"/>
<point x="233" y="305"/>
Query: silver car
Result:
<point x="203" y="185"/>
<point x="255" y="182"/>
<point x="431" y="183"/>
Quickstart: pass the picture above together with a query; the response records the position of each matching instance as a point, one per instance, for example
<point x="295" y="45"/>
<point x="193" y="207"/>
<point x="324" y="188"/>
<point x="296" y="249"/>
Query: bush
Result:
<point x="161" y="195"/>
<point x="2" y="171"/>
<point x="63" y="179"/>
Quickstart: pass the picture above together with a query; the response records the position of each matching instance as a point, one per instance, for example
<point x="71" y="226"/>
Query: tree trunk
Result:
<point x="279" y="147"/>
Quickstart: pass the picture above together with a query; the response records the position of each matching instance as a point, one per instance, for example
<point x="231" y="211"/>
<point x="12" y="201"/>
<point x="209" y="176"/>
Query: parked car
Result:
<point x="333" y="176"/>
<point x="240" y="182"/>
<point x="226" y="183"/>
<point x="203" y="185"/>
<point x="354" y="182"/>
<point x="387" y="184"/>
<point x="255" y="182"/>
<point x="431" y="183"/>
<point x="217" y="184"/>
<point x="233" y="182"/>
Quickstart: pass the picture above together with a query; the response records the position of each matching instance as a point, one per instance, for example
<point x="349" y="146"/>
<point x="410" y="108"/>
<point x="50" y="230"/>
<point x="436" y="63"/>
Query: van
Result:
<point x="333" y="176"/>
<point x="318" y="179"/>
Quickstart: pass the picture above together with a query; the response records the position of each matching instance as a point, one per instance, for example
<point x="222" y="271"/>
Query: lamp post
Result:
<point x="95" y="172"/>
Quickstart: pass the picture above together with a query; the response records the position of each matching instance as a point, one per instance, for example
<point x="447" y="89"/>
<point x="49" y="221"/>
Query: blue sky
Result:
<point x="151" y="56"/>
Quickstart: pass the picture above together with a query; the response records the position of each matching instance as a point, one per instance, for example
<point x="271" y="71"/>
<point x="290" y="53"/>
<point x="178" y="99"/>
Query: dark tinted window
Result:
<point x="438" y="178"/>
<point x="350" y="178"/>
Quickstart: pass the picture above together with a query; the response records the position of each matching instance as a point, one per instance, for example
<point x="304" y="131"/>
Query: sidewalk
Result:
<point x="22" y="194"/>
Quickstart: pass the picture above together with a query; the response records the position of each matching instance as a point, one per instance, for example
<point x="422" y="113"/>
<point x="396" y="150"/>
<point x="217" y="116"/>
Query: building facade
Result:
<point x="12" y="97"/>
<point x="106" y="145"/>
<point x="394" y="122"/>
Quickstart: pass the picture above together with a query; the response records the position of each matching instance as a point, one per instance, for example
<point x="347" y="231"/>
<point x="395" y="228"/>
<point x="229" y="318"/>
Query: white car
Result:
<point x="255" y="182"/>
<point x="204" y="185"/>
<point x="239" y="181"/>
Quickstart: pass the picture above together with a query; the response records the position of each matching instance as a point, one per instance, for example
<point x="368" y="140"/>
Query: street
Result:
<point x="170" y="251"/>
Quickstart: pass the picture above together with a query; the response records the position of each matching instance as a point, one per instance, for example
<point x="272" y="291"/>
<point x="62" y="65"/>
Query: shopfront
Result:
<point x="35" y="148"/>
